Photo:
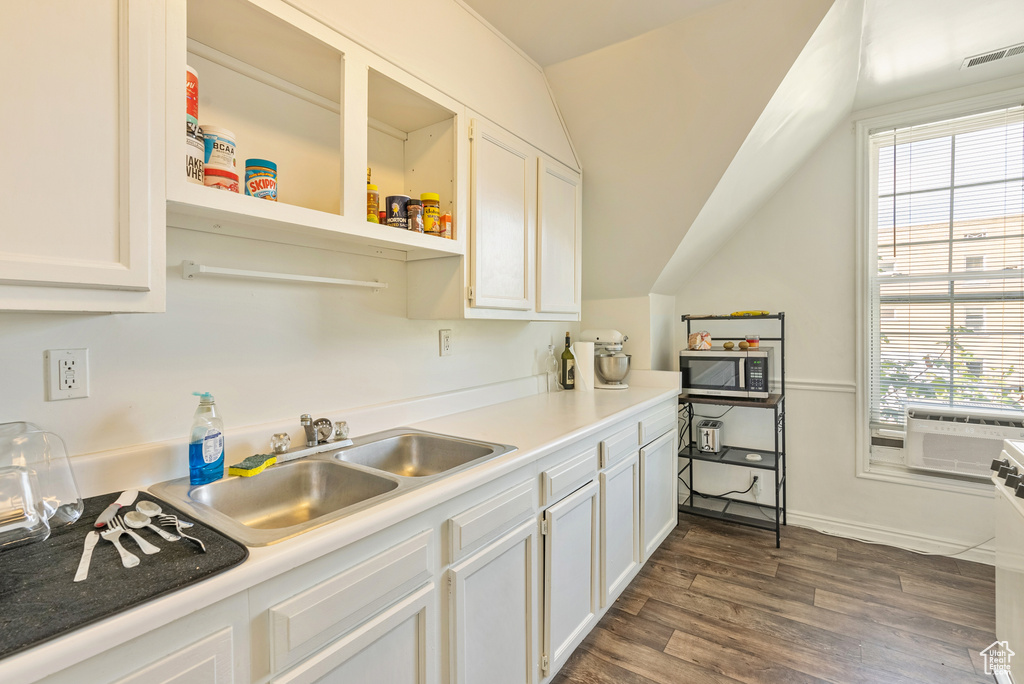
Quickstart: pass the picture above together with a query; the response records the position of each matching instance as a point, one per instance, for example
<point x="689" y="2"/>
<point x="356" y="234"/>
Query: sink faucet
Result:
<point x="307" y="424"/>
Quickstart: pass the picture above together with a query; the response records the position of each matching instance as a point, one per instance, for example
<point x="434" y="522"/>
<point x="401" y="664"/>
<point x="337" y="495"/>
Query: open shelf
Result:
<point x="410" y="143"/>
<point x="771" y="402"/>
<point x="198" y="208"/>
<point x="276" y="111"/>
<point x="732" y="456"/>
<point x="732" y="510"/>
<point x="280" y="87"/>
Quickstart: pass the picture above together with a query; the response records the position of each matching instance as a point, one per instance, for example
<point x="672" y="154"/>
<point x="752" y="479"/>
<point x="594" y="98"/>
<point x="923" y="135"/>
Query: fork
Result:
<point x="172" y="521"/>
<point x="118" y="523"/>
<point x="128" y="559"/>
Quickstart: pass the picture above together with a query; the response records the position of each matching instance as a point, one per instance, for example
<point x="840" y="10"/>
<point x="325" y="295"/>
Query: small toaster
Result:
<point x="709" y="436"/>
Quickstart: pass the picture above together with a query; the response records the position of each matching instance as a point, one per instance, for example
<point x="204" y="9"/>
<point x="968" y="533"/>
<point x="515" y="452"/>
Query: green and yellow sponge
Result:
<point x="254" y="465"/>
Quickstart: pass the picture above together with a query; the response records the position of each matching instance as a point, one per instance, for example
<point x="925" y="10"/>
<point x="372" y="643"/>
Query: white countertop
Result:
<point x="537" y="425"/>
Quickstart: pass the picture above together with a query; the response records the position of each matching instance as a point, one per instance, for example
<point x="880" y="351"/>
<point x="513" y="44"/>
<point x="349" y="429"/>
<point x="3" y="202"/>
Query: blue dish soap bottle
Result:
<point x="206" y="443"/>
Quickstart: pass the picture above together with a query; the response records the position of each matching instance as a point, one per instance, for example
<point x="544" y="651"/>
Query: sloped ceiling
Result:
<point x="657" y="120"/>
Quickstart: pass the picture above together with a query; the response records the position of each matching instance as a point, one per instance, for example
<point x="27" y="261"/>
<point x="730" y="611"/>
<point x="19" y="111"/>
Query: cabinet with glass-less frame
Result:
<point x="724" y="507"/>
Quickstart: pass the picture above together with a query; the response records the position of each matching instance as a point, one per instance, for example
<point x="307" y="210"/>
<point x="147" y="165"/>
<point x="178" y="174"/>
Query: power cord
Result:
<point x="712" y="496"/>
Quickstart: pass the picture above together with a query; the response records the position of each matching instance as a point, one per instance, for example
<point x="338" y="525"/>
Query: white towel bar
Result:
<point x="190" y="269"/>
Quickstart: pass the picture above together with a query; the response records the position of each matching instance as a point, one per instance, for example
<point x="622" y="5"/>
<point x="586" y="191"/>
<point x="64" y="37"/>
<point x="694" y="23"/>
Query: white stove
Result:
<point x="1008" y="477"/>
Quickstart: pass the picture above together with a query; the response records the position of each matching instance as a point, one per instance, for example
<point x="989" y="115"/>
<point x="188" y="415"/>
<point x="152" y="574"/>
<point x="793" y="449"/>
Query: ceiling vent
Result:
<point x="993" y="56"/>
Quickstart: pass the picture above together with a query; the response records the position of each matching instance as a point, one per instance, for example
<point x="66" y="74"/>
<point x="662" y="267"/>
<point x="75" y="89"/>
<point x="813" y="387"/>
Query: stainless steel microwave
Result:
<point x="722" y="373"/>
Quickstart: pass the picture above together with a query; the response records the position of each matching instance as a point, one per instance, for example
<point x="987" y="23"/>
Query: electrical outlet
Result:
<point x="445" y="342"/>
<point x="67" y="373"/>
<point x="755" y="486"/>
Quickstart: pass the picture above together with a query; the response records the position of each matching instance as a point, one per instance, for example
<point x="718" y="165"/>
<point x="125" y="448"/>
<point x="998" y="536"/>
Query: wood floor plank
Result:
<point x="880" y="658"/>
<point x="853" y="626"/>
<point x="937" y="606"/>
<point x="718" y="603"/>
<point x="769" y="645"/>
<point x="700" y="566"/>
<point x="765" y="541"/>
<point x="669" y="574"/>
<point x="637" y="629"/>
<point x="692" y="607"/>
<point x="630" y="602"/>
<point x="967" y="590"/>
<point x="943" y="630"/>
<point x="976" y="570"/>
<point x="583" y="667"/>
<point x="717" y="554"/>
<point x="732" y="662"/>
<point x="648" y="662"/>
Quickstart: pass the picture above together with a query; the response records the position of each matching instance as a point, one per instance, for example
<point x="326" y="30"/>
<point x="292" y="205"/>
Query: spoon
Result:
<point x="150" y="509"/>
<point x="137" y="520"/>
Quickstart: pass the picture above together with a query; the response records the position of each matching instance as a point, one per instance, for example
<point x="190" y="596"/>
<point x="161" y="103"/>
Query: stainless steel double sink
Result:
<point x="300" y="495"/>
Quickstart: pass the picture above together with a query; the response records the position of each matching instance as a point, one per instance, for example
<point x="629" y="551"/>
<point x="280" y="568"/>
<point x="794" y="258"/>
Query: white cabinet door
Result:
<point x="559" y="237"/>
<point x="493" y="604"/>
<point x="207" y="661"/>
<point x="620" y="527"/>
<point x="658" y="491"/>
<point x="396" y="647"/>
<point x="570" y="574"/>
<point x="83" y="224"/>
<point x="503" y="196"/>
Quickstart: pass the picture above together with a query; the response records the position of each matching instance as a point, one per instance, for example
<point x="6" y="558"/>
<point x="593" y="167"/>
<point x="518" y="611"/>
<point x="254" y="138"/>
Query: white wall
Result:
<point x="267" y="351"/>
<point x="647" y="321"/>
<point x="797" y="254"/>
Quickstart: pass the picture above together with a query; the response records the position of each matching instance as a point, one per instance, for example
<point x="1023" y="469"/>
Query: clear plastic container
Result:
<point x="37" y="488"/>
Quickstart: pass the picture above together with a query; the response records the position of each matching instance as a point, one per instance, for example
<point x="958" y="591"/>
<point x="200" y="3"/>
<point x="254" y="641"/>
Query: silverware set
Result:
<point x="112" y="524"/>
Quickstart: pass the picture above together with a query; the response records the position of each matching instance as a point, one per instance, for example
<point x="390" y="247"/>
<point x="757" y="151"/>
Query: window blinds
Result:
<point x="946" y="316"/>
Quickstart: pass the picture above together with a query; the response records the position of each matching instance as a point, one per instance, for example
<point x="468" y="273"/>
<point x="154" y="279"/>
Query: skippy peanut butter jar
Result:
<point x="261" y="179"/>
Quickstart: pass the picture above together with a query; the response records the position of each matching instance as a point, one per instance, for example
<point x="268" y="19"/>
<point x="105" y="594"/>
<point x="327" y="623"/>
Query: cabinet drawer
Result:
<point x="618" y="446"/>
<point x="656" y="423"/>
<point x="568" y="476"/>
<point x="491" y="518"/>
<point x="308" y="621"/>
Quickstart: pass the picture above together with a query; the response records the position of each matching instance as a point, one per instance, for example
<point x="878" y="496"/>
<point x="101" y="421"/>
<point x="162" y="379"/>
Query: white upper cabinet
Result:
<point x="111" y="124"/>
<point x="83" y="187"/>
<point x="559" y="237"/>
<point x="525" y="239"/>
<point x="503" y="183"/>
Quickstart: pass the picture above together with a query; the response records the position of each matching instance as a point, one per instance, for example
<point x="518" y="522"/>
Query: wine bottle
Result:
<point x="567" y="373"/>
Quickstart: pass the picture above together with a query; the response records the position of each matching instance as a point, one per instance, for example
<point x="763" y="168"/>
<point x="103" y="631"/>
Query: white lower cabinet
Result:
<point x="493" y="609"/>
<point x="210" y="646"/>
<point x="571" y="574"/>
<point x="620" y="527"/>
<point x="394" y="647"/>
<point x="658" y="496"/>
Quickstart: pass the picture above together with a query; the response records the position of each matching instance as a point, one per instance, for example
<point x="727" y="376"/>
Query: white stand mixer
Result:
<point x="610" y="364"/>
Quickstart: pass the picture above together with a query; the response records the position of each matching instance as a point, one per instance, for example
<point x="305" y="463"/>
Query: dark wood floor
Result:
<point x="719" y="603"/>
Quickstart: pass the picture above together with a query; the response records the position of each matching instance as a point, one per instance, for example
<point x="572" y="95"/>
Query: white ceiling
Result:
<point x="915" y="47"/>
<point x="551" y="31"/>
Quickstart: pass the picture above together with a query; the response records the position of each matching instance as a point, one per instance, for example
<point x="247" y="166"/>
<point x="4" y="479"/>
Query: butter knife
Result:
<point x="127" y="498"/>
<point x="83" y="565"/>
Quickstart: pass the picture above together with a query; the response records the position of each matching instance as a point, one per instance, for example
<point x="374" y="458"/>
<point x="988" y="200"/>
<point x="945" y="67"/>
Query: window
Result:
<point x="945" y="274"/>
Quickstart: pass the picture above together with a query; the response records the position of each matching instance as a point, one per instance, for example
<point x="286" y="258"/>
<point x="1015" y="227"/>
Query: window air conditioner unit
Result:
<point x="958" y="441"/>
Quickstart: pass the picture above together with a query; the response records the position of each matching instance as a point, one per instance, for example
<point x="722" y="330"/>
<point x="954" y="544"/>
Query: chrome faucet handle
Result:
<point x="324" y="430"/>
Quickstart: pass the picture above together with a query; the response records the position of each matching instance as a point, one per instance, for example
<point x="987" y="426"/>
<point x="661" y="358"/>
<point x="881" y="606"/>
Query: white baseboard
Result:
<point x="894" y="537"/>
